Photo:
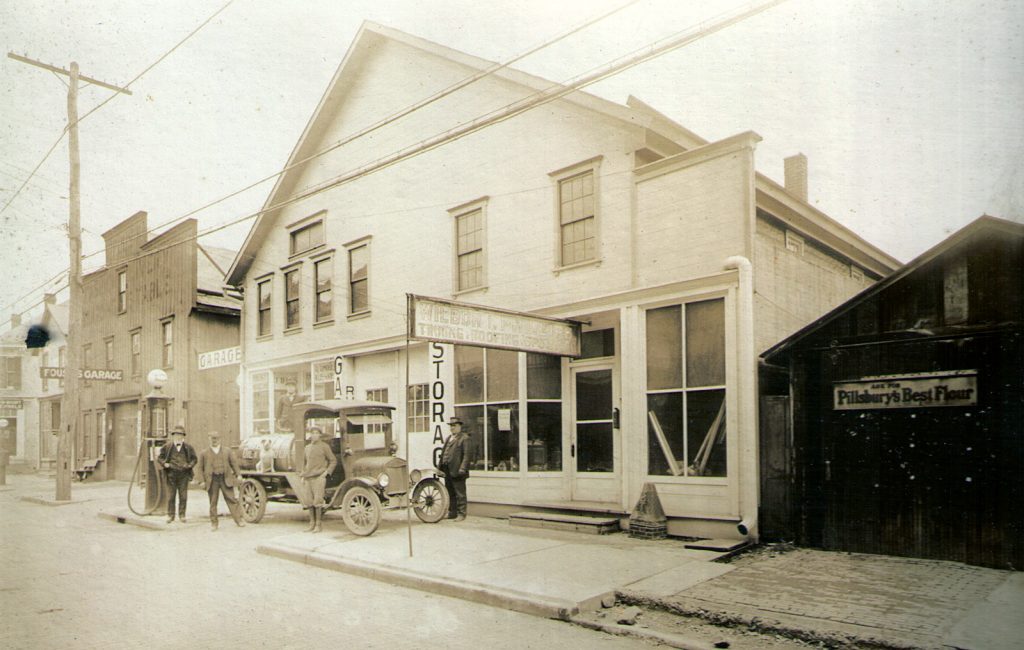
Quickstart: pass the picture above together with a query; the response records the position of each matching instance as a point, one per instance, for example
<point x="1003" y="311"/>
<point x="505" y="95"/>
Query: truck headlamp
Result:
<point x="383" y="479"/>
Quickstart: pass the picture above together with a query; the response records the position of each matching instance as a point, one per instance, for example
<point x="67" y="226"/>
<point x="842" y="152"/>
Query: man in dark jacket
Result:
<point x="177" y="457"/>
<point x="455" y="467"/>
<point x="218" y="471"/>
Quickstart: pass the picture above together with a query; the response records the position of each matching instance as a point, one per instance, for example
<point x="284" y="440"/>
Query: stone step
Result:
<point x="720" y="545"/>
<point x="572" y="523"/>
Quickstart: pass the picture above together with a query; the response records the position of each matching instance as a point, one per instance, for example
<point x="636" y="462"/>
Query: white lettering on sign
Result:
<point x="957" y="388"/>
<point x="92" y="374"/>
<point x="433" y="319"/>
<point x="219" y="358"/>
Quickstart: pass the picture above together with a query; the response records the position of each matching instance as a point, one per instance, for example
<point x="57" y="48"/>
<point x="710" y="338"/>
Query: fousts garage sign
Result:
<point x="919" y="390"/>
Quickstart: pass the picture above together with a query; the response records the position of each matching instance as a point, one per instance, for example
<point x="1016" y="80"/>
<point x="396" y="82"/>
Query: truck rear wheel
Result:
<point x="252" y="499"/>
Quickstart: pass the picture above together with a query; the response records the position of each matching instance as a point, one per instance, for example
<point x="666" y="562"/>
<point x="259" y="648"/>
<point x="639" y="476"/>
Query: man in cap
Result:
<point x="454" y="465"/>
<point x="218" y="471"/>
<point x="320" y="462"/>
<point x="177" y="458"/>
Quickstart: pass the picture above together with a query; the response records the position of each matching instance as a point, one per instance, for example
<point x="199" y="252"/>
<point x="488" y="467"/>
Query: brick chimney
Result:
<point x="796" y="176"/>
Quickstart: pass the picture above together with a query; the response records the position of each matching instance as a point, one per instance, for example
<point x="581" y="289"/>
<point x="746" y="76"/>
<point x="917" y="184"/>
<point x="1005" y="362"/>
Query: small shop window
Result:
<point x="261" y="403"/>
<point x="686" y="389"/>
<point x="418" y="408"/>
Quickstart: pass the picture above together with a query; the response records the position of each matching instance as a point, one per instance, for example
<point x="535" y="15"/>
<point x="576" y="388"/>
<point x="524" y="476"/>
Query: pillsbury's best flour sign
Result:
<point x="918" y="390"/>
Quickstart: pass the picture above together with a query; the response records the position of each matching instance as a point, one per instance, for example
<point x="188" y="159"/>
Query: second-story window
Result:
<point x="136" y="345"/>
<point x="577" y="218"/>
<point x="359" y="277"/>
<point x="10" y="372"/>
<point x="469" y="249"/>
<point x="167" y="336"/>
<point x="292" y="306"/>
<point x="122" y="291"/>
<point x="306" y="238"/>
<point x="263" y="298"/>
<point x="323" y="283"/>
<point x="86" y="360"/>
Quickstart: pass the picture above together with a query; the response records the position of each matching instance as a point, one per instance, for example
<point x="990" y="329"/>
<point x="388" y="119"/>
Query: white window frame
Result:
<point x="350" y="247"/>
<point x="592" y="166"/>
<point x="305" y="224"/>
<point x="167" y="347"/>
<point x="457" y="213"/>
<point x="327" y="260"/>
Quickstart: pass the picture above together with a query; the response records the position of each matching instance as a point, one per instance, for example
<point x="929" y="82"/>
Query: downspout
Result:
<point x="747" y="385"/>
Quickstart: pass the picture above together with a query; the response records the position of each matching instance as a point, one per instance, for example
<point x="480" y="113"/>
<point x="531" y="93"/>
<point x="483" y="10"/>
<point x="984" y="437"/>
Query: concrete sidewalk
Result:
<point x="546" y="573"/>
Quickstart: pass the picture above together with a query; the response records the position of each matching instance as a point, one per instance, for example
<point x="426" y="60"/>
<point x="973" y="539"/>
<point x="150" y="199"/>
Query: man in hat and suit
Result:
<point x="177" y="457"/>
<point x="454" y="465"/>
<point x="218" y="471"/>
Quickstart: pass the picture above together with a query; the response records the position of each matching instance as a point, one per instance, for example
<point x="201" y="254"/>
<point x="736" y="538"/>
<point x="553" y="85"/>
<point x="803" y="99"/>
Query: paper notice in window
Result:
<point x="504" y="419"/>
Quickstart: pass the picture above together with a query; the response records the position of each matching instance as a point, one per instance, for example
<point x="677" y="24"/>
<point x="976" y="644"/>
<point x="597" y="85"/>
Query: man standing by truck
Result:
<point x="455" y="467"/>
<point x="320" y="462"/>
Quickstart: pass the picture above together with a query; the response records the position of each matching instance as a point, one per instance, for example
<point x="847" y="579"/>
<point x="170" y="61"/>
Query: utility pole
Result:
<point x="69" y="410"/>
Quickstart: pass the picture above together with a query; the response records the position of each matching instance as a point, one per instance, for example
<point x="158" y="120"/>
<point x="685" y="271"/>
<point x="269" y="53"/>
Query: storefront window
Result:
<point x="418" y="408"/>
<point x="261" y="403"/>
<point x="686" y="389"/>
<point x="490" y="378"/>
<point x="323" y="380"/>
<point x="544" y="413"/>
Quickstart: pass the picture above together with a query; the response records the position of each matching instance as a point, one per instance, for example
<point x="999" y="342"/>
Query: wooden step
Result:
<point x="573" y="523"/>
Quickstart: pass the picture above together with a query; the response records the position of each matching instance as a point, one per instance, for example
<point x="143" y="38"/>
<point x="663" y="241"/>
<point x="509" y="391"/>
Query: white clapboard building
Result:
<point x="681" y="262"/>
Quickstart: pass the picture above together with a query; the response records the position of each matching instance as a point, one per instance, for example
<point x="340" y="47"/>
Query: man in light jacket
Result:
<point x="320" y="462"/>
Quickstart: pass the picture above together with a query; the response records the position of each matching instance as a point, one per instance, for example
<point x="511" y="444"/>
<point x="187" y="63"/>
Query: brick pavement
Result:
<point x="901" y="601"/>
<point x="70" y="579"/>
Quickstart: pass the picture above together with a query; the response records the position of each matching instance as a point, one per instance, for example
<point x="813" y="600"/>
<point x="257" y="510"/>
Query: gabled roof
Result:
<point x="984" y="223"/>
<point x="634" y="114"/>
<point x="211" y="264"/>
<point x="57" y="315"/>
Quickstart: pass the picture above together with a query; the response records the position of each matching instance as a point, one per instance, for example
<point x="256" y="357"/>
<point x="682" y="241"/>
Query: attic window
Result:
<point x="307" y="238"/>
<point x="794" y="242"/>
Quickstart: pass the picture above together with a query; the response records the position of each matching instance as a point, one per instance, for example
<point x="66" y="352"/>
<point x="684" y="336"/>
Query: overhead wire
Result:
<point x="393" y="117"/>
<point x="104" y="102"/>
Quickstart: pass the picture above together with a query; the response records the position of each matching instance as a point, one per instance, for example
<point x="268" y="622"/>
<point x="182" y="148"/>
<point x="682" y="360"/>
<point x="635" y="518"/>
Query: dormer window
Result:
<point x="307" y="237"/>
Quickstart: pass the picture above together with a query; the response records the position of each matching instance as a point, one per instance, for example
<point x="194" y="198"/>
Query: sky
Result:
<point x="909" y="111"/>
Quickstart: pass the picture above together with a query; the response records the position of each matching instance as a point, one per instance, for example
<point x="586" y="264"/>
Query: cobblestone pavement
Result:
<point x="69" y="579"/>
<point x="901" y="600"/>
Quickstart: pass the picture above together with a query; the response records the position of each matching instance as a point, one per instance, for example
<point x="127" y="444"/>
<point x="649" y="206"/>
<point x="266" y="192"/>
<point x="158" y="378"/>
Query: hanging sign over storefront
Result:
<point x="918" y="390"/>
<point x="92" y="374"/>
<point x="219" y="358"/>
<point x="434" y="319"/>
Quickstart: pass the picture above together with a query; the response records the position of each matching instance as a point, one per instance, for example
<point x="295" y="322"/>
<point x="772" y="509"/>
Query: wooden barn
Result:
<point x="907" y="416"/>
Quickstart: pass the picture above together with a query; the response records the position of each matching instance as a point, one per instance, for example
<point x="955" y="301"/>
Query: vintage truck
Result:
<point x="368" y="478"/>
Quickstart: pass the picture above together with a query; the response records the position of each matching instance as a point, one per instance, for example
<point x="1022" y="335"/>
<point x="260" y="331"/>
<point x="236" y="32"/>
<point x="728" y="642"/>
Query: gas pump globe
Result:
<point x="155" y="425"/>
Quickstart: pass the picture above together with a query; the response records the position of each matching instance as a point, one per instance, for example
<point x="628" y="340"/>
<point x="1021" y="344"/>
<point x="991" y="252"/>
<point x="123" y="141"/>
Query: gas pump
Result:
<point x="155" y="422"/>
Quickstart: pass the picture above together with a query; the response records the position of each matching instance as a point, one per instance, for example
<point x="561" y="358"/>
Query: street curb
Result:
<point x="43" y="501"/>
<point x="631" y="631"/>
<point x="522" y="602"/>
<point x="758" y="622"/>
<point x="156" y="523"/>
